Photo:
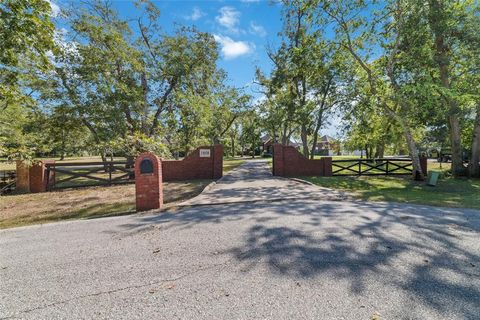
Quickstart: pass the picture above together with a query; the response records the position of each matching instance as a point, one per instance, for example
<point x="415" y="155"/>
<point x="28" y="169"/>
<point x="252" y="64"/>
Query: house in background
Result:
<point x="268" y="142"/>
<point x="327" y="146"/>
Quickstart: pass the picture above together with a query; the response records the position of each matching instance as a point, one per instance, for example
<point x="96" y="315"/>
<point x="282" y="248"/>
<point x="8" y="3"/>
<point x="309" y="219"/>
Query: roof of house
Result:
<point x="327" y="138"/>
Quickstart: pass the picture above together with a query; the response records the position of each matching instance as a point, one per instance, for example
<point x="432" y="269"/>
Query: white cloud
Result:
<point x="232" y="49"/>
<point x="196" y="14"/>
<point x="229" y="18"/>
<point x="257" y="29"/>
<point x="55" y="8"/>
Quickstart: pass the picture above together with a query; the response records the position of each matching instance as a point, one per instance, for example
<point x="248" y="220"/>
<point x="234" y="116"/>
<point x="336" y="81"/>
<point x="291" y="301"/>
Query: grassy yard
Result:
<point x="449" y="192"/>
<point x="26" y="209"/>
<point x="231" y="163"/>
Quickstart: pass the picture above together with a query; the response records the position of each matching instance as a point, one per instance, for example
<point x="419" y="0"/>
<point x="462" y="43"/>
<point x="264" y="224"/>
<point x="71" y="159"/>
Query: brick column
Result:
<point x="34" y="178"/>
<point x="278" y="161"/>
<point x="217" y="161"/>
<point x="22" y="183"/>
<point x="148" y="182"/>
<point x="39" y="176"/>
<point x="327" y="166"/>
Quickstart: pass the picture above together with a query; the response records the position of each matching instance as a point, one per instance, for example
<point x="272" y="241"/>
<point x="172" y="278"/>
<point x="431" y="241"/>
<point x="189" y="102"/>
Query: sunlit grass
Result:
<point x="231" y="163"/>
<point x="449" y="192"/>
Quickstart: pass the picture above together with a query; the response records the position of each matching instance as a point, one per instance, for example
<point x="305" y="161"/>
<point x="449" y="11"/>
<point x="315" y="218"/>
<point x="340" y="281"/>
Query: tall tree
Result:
<point x="27" y="34"/>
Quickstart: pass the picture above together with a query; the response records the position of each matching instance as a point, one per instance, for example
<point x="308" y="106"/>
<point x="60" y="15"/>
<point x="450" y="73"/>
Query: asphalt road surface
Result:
<point x="309" y="258"/>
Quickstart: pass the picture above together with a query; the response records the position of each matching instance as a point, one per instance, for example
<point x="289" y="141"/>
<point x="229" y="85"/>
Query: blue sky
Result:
<point x="243" y="30"/>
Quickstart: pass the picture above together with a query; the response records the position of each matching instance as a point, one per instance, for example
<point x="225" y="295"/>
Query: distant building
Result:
<point x="327" y="146"/>
<point x="268" y="141"/>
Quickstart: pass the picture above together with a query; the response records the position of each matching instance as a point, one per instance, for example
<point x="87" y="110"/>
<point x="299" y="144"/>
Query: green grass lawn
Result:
<point x="231" y="163"/>
<point x="449" y="192"/>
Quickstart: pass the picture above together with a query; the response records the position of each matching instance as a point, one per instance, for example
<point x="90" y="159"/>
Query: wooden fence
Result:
<point x="7" y="181"/>
<point x="372" y="167"/>
<point x="88" y="174"/>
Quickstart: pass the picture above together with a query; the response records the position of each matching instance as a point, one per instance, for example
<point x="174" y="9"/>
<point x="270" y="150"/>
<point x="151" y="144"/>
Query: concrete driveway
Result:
<point x="291" y="259"/>
<point x="253" y="181"/>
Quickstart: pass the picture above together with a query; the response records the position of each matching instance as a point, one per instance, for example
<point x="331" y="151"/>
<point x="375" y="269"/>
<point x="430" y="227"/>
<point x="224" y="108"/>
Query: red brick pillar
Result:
<point x="278" y="161"/>
<point x="148" y="182"/>
<point x="22" y="183"/>
<point x="34" y="178"/>
<point x="327" y="166"/>
<point x="39" y="178"/>
<point x="217" y="161"/>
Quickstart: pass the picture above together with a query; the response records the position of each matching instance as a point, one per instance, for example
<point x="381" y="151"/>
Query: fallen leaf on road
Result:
<point x="156" y="251"/>
<point x="375" y="316"/>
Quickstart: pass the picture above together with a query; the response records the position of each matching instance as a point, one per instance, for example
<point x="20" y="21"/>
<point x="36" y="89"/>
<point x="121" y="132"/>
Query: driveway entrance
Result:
<point x="253" y="181"/>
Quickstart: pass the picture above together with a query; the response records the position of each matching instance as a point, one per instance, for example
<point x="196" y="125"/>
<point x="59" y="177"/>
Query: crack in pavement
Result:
<point x="224" y="264"/>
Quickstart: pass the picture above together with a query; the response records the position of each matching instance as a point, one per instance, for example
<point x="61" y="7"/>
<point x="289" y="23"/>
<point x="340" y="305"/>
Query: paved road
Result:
<point x="293" y="259"/>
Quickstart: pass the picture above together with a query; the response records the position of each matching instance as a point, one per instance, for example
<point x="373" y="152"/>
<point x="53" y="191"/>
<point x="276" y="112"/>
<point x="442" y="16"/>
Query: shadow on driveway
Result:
<point x="431" y="254"/>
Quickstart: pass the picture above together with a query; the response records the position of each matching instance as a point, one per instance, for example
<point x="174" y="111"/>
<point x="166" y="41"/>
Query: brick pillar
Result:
<point x="39" y="179"/>
<point x="278" y="161"/>
<point x="22" y="183"/>
<point x="34" y="178"/>
<point x="424" y="165"/>
<point x="217" y="161"/>
<point x="148" y="182"/>
<point x="327" y="166"/>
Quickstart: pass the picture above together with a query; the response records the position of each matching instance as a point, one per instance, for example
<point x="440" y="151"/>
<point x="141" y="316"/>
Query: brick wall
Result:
<point x="195" y="167"/>
<point x="289" y="162"/>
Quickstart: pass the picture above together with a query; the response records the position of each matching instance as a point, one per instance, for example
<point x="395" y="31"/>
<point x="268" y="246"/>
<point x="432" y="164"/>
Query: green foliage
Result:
<point x="116" y="86"/>
<point x="26" y="31"/>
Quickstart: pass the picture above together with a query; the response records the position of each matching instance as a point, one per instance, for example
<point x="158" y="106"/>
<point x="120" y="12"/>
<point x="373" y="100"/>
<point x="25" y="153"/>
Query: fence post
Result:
<point x="327" y="166"/>
<point x="424" y="165"/>
<point x="110" y="168"/>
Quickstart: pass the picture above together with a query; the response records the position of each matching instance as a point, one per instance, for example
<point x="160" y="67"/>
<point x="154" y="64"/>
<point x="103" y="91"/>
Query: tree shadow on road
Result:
<point x="429" y="254"/>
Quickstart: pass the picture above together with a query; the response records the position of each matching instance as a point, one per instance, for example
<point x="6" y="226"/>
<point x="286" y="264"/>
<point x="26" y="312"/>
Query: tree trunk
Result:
<point x="284" y="135"/>
<point x="233" y="146"/>
<point x="315" y="133"/>
<point x="417" y="173"/>
<point x="442" y="58"/>
<point x="456" y="144"/>
<point x="380" y="150"/>
<point x="104" y="160"/>
<point x="304" y="137"/>
<point x="474" y="165"/>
